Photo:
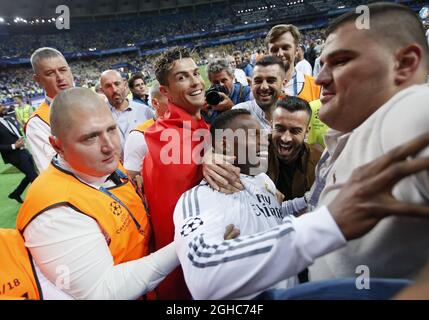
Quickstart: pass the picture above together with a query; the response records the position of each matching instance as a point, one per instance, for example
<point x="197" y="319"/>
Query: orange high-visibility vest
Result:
<point x="18" y="279"/>
<point x="124" y="223"/>
<point x="42" y="112"/>
<point x="310" y="90"/>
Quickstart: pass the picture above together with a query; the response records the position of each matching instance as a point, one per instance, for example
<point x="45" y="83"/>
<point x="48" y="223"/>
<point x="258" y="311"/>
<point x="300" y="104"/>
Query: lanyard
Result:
<point x="111" y="195"/>
<point x="295" y="85"/>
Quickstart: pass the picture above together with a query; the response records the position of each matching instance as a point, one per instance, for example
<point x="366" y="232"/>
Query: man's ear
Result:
<point x="36" y="78"/>
<point x="164" y="90"/>
<point x="407" y="62"/>
<point x="56" y="144"/>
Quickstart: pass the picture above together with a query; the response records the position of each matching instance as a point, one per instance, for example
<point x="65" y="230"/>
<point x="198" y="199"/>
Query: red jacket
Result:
<point x="164" y="183"/>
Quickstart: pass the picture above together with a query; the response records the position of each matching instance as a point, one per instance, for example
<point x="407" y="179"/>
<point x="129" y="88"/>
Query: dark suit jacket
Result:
<point x="6" y="140"/>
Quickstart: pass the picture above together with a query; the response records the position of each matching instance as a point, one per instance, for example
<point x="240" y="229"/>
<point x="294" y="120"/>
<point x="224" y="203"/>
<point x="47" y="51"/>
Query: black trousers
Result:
<point x="24" y="163"/>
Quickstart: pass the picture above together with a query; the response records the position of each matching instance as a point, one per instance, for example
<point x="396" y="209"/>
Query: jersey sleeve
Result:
<point x="215" y="268"/>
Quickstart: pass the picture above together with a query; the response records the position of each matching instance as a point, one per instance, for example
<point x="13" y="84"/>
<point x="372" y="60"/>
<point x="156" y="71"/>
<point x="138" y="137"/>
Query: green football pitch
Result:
<point x="9" y="179"/>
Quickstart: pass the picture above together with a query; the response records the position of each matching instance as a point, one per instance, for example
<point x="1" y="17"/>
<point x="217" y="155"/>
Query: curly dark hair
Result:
<point x="165" y="62"/>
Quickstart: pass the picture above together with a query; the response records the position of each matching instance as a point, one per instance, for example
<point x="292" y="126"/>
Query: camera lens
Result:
<point x="213" y="98"/>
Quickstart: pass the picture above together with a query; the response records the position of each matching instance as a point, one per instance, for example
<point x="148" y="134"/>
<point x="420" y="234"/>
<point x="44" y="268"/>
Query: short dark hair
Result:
<point x="135" y="77"/>
<point x="266" y="61"/>
<point x="394" y="24"/>
<point x="224" y="119"/>
<point x="165" y="62"/>
<point x="293" y="104"/>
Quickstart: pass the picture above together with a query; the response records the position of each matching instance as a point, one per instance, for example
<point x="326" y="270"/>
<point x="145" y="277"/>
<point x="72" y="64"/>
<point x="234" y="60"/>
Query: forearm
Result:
<point x="294" y="206"/>
<point x="63" y="240"/>
<point x="132" y="279"/>
<point x="6" y="147"/>
<point x="238" y="268"/>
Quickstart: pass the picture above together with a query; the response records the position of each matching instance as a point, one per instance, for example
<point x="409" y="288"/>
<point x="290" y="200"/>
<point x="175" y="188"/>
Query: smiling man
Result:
<point x="53" y="74"/>
<point x="294" y="174"/>
<point x="374" y="110"/>
<point x="180" y="80"/>
<point x="267" y="82"/>
<point x="282" y="41"/>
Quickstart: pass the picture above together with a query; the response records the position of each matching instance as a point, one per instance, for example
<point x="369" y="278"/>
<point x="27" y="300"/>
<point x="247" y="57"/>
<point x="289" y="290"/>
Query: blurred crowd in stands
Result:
<point x="18" y="80"/>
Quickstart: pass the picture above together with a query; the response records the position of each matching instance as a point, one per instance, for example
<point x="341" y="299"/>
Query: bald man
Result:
<point x="83" y="216"/>
<point x="127" y="114"/>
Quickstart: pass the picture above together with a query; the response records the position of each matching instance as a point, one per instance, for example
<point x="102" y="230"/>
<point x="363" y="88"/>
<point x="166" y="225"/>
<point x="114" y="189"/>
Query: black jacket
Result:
<point x="7" y="138"/>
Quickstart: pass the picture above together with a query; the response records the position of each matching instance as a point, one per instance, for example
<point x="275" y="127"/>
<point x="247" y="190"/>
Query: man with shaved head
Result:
<point x="83" y="215"/>
<point x="127" y="114"/>
<point x="53" y="74"/>
<point x="374" y="95"/>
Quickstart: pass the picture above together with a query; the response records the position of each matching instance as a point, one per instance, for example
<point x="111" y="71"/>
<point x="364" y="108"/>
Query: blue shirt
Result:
<point x="248" y="69"/>
<point x="211" y="114"/>
<point x="132" y="116"/>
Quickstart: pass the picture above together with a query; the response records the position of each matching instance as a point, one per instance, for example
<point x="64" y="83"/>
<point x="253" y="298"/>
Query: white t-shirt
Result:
<point x="305" y="67"/>
<point x="270" y="251"/>
<point x="135" y="150"/>
<point x="240" y="76"/>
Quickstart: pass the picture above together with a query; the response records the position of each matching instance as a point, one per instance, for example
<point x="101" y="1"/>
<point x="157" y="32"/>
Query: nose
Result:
<point x="324" y="77"/>
<point x="106" y="141"/>
<point x="59" y="76"/>
<point x="286" y="137"/>
<point x="280" y="53"/>
<point x="195" y="80"/>
<point x="264" y="85"/>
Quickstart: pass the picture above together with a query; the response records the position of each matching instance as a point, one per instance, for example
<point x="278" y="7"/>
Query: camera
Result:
<point x="213" y="97"/>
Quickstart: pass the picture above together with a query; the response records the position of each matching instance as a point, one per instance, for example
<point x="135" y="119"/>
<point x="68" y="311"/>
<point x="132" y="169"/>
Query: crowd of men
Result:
<point x="170" y="194"/>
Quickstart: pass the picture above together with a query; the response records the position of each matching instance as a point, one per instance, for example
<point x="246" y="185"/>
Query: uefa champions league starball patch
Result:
<point x="190" y="226"/>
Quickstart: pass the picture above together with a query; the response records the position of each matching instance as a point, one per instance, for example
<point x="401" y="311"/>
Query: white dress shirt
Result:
<point x="70" y="250"/>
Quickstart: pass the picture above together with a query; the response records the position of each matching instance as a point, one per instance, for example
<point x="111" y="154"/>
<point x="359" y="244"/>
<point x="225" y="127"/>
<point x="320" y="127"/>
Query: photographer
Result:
<point x="224" y="92"/>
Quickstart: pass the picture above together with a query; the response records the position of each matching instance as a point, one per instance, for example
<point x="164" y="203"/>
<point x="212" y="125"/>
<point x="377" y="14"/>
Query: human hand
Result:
<point x="225" y="104"/>
<point x="231" y="232"/>
<point x="19" y="143"/>
<point x="220" y="173"/>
